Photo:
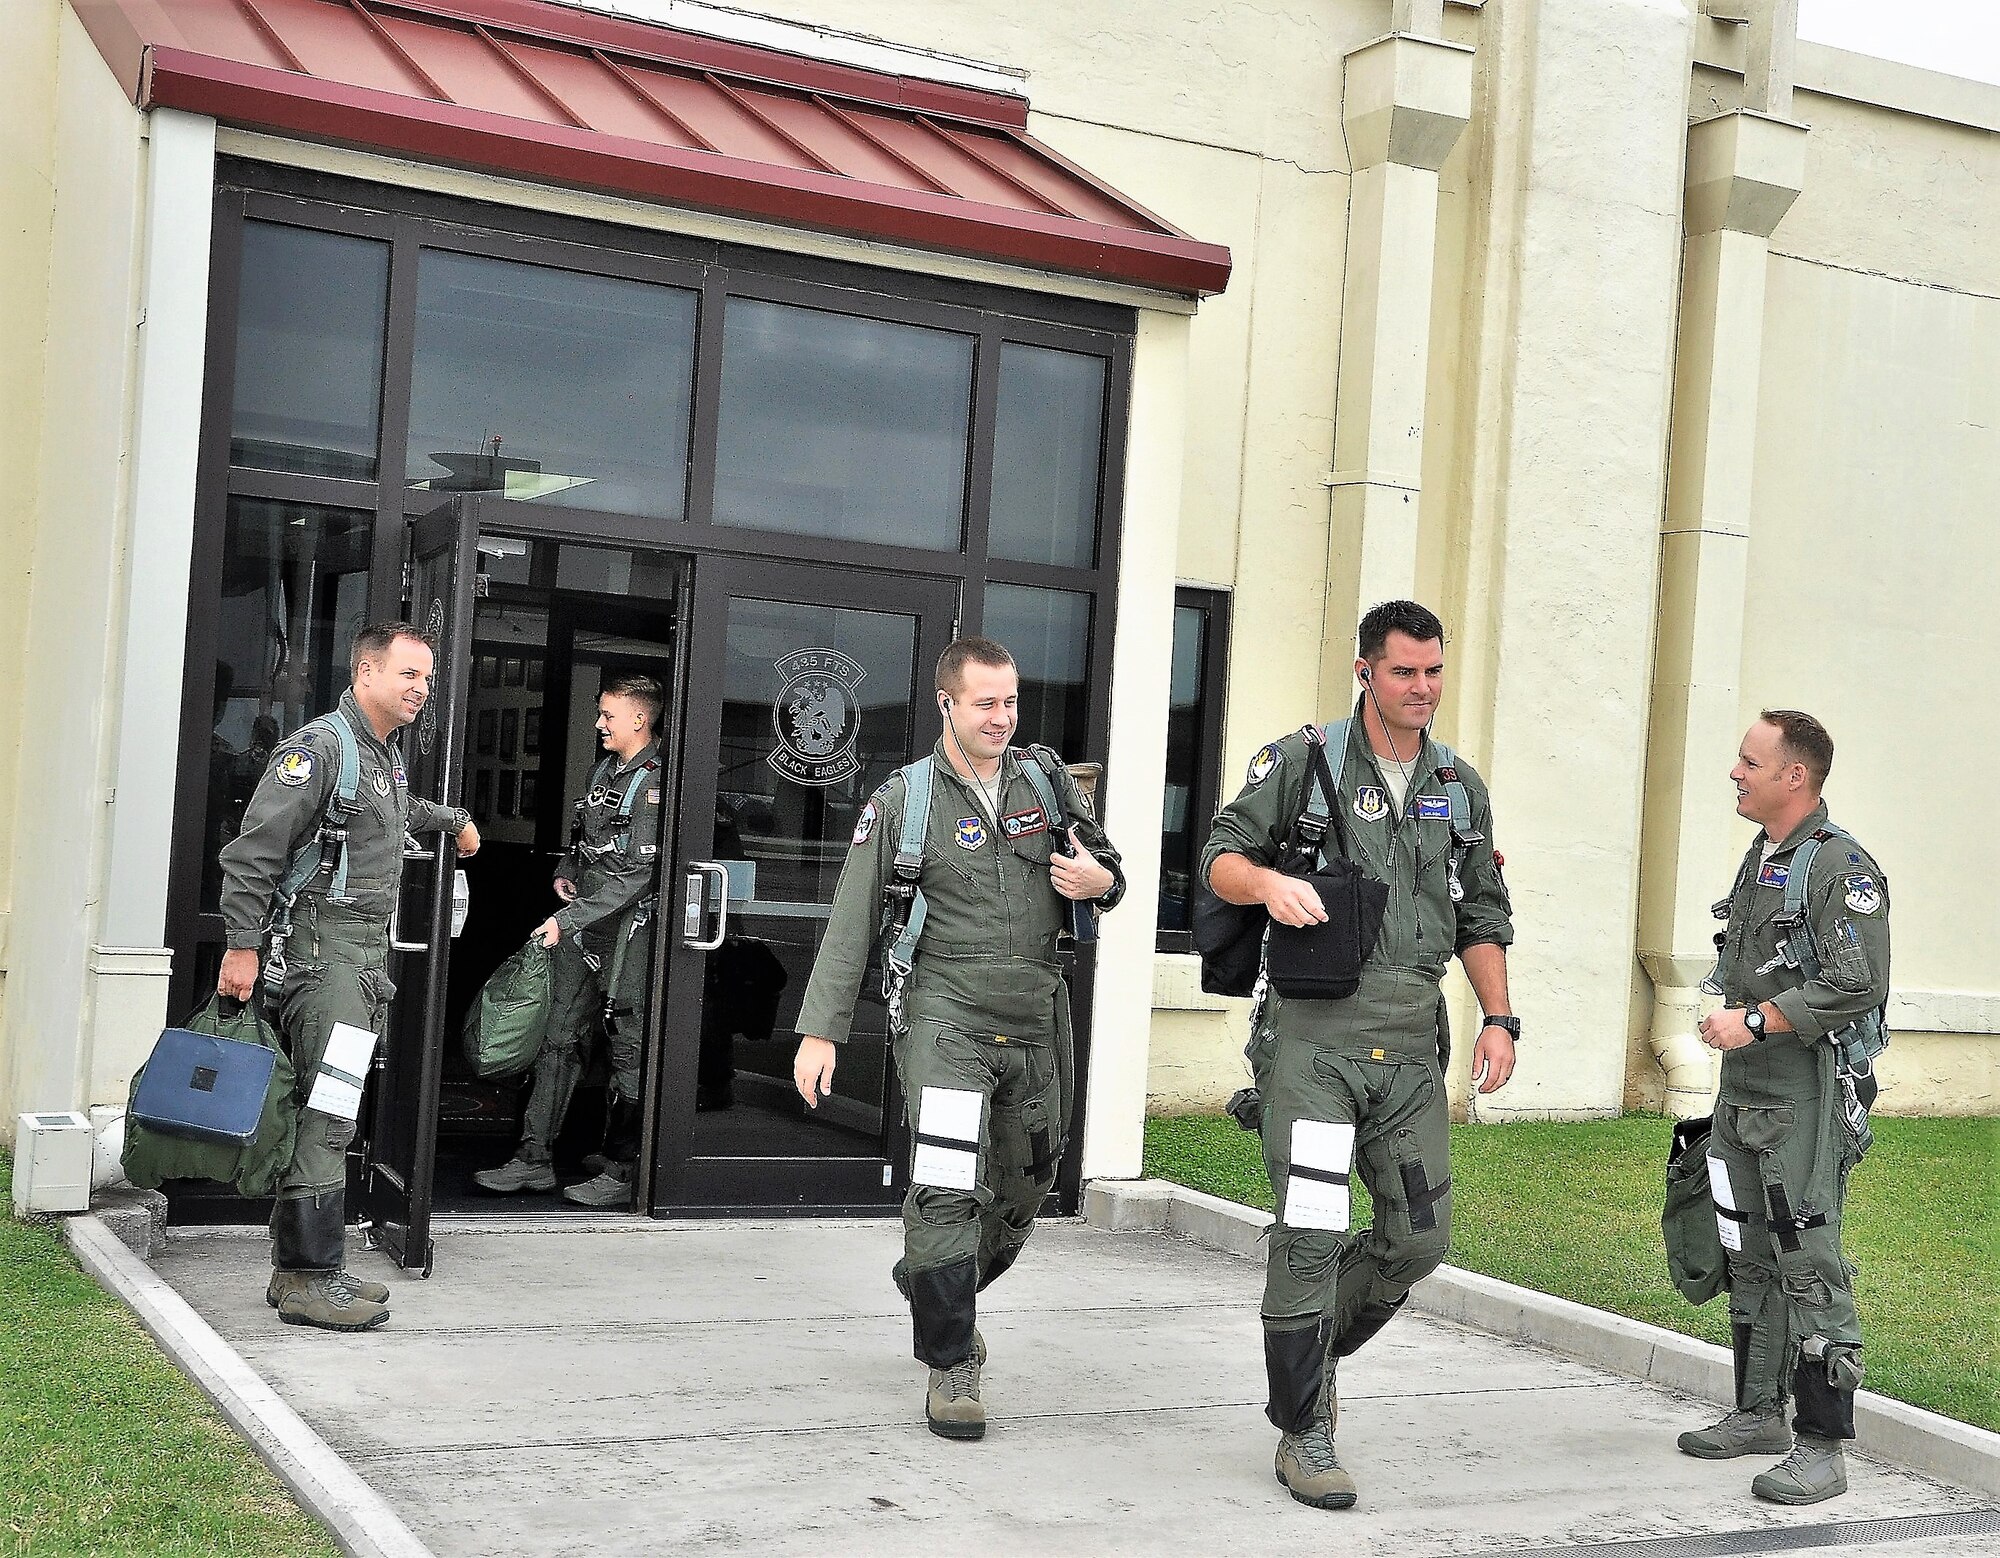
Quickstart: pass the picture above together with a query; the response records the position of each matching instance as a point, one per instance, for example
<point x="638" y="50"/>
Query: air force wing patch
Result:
<point x="1863" y="895"/>
<point x="971" y="832"/>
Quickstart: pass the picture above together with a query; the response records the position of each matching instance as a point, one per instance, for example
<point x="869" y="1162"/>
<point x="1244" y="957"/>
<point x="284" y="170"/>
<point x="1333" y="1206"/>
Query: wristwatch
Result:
<point x="1512" y="1026"/>
<point x="1753" y="1019"/>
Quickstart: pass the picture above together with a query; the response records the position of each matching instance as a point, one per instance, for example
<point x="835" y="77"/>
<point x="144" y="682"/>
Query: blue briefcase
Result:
<point x="203" y="1087"/>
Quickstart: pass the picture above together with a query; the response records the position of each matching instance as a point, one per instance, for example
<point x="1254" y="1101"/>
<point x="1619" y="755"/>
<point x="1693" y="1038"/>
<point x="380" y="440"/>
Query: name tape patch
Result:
<point x="1434" y="807"/>
<point x="1019" y="824"/>
<point x="1772" y="874"/>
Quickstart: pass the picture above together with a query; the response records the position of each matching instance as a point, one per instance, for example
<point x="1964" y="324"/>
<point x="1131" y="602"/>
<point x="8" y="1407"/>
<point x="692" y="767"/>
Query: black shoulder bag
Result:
<point x="1323" y="962"/>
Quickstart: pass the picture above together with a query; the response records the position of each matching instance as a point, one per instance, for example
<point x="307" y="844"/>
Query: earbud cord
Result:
<point x="991" y="797"/>
<point x="1407" y="771"/>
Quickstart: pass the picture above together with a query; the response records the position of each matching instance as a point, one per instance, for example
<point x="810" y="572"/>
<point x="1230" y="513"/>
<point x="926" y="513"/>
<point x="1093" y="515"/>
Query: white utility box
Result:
<point x="51" y="1163"/>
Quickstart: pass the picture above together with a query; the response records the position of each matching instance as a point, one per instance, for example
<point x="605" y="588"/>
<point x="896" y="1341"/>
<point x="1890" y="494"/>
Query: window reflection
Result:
<point x="1048" y="442"/>
<point x="294" y="593"/>
<point x="1048" y="633"/>
<point x="1180" y="827"/>
<point x="853" y="429"/>
<point x="310" y="313"/>
<point x="551" y="385"/>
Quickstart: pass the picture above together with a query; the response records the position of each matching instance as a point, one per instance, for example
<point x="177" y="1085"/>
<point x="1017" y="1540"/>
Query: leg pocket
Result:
<point x="950" y="1127"/>
<point x="1316" y="1185"/>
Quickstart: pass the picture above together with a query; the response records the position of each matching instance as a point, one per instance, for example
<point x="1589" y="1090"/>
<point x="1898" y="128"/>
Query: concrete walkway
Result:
<point x="736" y="1387"/>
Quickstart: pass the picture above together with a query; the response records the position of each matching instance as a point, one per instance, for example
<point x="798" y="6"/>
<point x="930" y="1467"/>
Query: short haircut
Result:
<point x="1397" y="616"/>
<point x="373" y="641"/>
<point x="1804" y="741"/>
<point x="642" y="690"/>
<point x="968" y="651"/>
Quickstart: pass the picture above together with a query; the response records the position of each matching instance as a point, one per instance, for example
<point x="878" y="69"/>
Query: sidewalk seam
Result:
<point x="1895" y="1431"/>
<point x="360" y="1522"/>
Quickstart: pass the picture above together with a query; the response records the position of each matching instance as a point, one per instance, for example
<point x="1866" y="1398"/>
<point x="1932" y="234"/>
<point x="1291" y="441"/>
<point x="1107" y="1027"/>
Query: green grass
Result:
<point x="1574" y="1210"/>
<point x="105" y="1447"/>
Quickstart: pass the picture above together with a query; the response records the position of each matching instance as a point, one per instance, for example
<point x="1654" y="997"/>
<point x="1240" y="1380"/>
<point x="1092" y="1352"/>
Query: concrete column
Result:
<point x="1406" y="100"/>
<point x="1114" y="1124"/>
<point x="1744" y="170"/>
<point x="1576" y="254"/>
<point x="129" y="967"/>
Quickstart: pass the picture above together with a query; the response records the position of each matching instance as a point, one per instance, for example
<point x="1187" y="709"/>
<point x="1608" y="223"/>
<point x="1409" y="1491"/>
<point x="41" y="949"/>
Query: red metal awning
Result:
<point x="543" y="91"/>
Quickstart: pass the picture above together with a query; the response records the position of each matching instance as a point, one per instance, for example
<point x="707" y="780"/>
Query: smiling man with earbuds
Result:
<point x="965" y="867"/>
<point x="1353" y="1084"/>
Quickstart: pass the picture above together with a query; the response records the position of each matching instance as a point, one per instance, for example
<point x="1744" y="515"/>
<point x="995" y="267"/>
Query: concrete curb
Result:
<point x="361" y="1524"/>
<point x="1892" y="1430"/>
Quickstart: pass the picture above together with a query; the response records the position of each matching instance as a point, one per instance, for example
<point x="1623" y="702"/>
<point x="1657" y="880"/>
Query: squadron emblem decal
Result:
<point x="294" y="767"/>
<point x="1262" y="764"/>
<point x="817" y="717"/>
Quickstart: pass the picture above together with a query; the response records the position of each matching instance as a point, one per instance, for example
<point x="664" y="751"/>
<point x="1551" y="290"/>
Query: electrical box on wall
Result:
<point x="51" y="1163"/>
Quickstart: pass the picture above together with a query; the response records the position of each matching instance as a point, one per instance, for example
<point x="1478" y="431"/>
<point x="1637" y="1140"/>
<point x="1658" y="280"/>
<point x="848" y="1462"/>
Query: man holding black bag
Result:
<point x="1370" y="847"/>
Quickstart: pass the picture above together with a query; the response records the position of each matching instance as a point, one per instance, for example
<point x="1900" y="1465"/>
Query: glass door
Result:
<point x="809" y="686"/>
<point x="399" y="1146"/>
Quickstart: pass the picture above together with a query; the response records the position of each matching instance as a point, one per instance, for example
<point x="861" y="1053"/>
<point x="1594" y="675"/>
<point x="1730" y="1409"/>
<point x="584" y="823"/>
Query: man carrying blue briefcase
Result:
<point x="214" y="1101"/>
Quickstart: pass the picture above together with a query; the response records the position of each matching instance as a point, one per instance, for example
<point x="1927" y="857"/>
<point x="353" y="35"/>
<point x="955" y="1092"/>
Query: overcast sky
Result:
<point x="1960" y="37"/>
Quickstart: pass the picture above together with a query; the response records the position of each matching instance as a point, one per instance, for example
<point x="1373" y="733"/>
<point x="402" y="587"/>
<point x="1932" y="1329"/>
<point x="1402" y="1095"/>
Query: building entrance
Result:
<point x="791" y="693"/>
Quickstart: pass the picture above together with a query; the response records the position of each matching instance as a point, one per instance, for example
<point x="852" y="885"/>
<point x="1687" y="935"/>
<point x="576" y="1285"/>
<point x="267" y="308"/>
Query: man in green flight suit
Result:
<point x="981" y="1026"/>
<point x="1358" y="1084"/>
<point x="1804" y="974"/>
<point x="325" y="954"/>
<point x="601" y="952"/>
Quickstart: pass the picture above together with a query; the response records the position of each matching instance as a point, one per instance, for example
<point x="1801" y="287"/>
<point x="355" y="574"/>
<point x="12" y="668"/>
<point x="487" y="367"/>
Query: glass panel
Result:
<point x="849" y="428"/>
<point x="1048" y="446"/>
<point x="551" y="385"/>
<point x="817" y="711"/>
<point x="310" y="314"/>
<point x="294" y="592"/>
<point x="1048" y="633"/>
<point x="539" y="659"/>
<point x="1181" y="830"/>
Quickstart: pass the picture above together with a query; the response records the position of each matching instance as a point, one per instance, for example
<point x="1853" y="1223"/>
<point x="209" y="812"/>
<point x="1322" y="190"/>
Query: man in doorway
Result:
<point x="1357" y="1084"/>
<point x="1804" y="973"/>
<point x="1000" y="846"/>
<point x="600" y="953"/>
<point x="306" y="907"/>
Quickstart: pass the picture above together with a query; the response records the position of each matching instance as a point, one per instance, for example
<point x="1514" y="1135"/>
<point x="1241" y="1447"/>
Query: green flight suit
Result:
<point x="336" y="957"/>
<point x="985" y="1047"/>
<point x="1357" y="1085"/>
<point x="602" y="963"/>
<point x="1787" y="1131"/>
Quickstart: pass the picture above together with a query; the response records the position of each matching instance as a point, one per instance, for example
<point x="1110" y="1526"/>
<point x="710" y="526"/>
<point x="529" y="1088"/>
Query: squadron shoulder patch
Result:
<point x="1864" y="895"/>
<point x="293" y="766"/>
<point x="865" y="823"/>
<point x="1261" y="765"/>
<point x="970" y="832"/>
<point x="1371" y="803"/>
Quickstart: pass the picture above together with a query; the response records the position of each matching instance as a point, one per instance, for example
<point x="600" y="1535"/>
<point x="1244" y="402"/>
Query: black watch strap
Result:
<point x="1511" y="1025"/>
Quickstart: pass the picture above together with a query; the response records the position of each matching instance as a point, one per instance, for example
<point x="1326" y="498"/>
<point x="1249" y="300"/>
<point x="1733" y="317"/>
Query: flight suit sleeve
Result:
<point x="1094" y="838"/>
<point x="429" y="817"/>
<point x="1257" y="823"/>
<point x="621" y="880"/>
<point x="1485" y="913"/>
<point x="282" y="816"/>
<point x="827" y="1011"/>
<point x="1849" y="911"/>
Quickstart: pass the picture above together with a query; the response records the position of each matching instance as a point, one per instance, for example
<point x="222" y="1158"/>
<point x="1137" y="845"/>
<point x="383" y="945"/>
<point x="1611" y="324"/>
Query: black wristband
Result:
<point x="1509" y="1025"/>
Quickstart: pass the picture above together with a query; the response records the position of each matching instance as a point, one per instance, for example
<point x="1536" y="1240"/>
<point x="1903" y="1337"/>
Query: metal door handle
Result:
<point x="701" y="874"/>
<point x="412" y="850"/>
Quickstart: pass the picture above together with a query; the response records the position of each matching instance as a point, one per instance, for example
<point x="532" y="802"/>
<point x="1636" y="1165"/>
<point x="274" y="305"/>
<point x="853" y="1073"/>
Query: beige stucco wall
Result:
<point x="62" y="669"/>
<point x="27" y="197"/>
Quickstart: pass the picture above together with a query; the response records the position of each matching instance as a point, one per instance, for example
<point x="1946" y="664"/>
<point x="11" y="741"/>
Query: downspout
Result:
<point x="1690" y="1066"/>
